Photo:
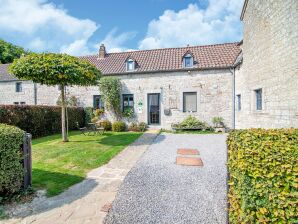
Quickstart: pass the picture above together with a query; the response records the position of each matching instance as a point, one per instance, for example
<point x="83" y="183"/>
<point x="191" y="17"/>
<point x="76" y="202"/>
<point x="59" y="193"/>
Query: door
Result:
<point x="153" y="108"/>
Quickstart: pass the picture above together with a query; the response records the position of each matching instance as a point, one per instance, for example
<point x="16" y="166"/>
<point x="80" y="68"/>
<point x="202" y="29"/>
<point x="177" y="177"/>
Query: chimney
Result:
<point x="102" y="51"/>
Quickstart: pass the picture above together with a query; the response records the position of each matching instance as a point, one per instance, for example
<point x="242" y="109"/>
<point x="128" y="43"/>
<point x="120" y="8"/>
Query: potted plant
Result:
<point x="218" y="124"/>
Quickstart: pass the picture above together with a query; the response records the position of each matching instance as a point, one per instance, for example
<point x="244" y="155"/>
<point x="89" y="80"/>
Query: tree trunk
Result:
<point x="64" y="133"/>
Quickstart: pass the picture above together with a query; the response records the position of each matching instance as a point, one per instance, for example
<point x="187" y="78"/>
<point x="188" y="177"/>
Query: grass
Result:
<point x="58" y="165"/>
<point x="190" y="132"/>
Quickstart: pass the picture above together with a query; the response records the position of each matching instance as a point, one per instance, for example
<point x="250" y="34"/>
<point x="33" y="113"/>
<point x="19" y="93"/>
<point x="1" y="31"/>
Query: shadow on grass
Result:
<point x="55" y="183"/>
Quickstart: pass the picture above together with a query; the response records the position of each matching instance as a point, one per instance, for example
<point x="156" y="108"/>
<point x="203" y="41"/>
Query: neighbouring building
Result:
<point x="252" y="83"/>
<point x="267" y="80"/>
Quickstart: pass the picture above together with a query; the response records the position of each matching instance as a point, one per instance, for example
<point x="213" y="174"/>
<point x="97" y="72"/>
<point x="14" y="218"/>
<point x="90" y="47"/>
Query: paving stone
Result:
<point x="187" y="161"/>
<point x="188" y="151"/>
<point x="106" y="207"/>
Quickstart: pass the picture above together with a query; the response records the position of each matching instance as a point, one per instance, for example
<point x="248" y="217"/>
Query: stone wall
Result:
<point x="270" y="62"/>
<point x="213" y="87"/>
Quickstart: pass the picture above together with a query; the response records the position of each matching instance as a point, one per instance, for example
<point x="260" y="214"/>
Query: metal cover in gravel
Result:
<point x="187" y="161"/>
<point x="188" y="152"/>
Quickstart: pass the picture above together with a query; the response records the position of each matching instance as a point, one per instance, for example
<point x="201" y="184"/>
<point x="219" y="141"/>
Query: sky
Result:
<point x="78" y="27"/>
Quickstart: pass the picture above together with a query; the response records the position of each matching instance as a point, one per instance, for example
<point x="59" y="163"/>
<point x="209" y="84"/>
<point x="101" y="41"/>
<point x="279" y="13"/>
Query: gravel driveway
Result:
<point x="157" y="190"/>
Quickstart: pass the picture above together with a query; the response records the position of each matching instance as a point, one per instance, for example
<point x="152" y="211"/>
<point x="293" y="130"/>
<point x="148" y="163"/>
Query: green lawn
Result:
<point x="57" y="165"/>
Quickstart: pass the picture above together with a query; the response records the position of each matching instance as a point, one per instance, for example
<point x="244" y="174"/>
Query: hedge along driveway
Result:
<point x="58" y="165"/>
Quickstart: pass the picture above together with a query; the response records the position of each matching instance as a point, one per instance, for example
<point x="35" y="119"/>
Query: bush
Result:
<point x="107" y="125"/>
<point x="40" y="120"/>
<point x="143" y="126"/>
<point x="191" y="123"/>
<point x="11" y="170"/>
<point x="263" y="176"/>
<point x="88" y="114"/>
<point x="118" y="126"/>
<point x="138" y="127"/>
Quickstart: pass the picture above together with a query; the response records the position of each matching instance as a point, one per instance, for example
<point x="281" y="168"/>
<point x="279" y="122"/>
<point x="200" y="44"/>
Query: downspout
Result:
<point x="35" y="93"/>
<point x="232" y="70"/>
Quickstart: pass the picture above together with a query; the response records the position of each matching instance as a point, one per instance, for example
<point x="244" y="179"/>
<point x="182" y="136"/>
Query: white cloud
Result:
<point x="116" y="42"/>
<point x="44" y="26"/>
<point x="219" y="22"/>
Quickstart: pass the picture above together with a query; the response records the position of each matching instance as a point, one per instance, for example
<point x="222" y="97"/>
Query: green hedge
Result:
<point x="263" y="167"/>
<point x="118" y="126"/>
<point x="11" y="170"/>
<point x="40" y="120"/>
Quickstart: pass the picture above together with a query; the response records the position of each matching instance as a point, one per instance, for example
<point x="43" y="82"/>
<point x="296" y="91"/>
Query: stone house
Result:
<point x="252" y="83"/>
<point x="162" y="86"/>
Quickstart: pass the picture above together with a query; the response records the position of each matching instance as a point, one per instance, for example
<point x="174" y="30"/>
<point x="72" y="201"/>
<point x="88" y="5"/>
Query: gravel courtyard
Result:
<point x="157" y="190"/>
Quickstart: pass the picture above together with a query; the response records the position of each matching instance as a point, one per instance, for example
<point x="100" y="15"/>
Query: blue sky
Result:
<point x="78" y="27"/>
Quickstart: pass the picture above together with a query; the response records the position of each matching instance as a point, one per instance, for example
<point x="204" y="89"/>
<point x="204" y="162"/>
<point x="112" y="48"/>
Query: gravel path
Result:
<point x="157" y="190"/>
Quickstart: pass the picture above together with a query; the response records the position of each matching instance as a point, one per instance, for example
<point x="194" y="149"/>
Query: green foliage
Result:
<point x="70" y="101"/>
<point x="11" y="170"/>
<point x="118" y="126"/>
<point x="128" y="113"/>
<point x="110" y="88"/>
<point x="55" y="69"/>
<point x="263" y="167"/>
<point x="106" y="124"/>
<point x="218" y="121"/>
<point x="191" y="123"/>
<point x="88" y="114"/>
<point x="40" y="120"/>
<point x="9" y="52"/>
<point x="138" y="127"/>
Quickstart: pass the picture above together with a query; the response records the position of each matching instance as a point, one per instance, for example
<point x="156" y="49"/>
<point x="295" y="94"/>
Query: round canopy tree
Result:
<point x="56" y="69"/>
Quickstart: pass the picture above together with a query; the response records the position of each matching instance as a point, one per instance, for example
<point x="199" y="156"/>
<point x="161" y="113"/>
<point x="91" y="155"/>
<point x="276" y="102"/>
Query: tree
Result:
<point x="9" y="52"/>
<point x="56" y="69"/>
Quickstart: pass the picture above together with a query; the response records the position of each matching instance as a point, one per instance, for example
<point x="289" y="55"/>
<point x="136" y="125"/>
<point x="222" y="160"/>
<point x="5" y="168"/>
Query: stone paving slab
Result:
<point x="187" y="161"/>
<point x="82" y="203"/>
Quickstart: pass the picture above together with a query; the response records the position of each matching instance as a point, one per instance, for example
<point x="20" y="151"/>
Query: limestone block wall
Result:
<point x="270" y="62"/>
<point x="8" y="94"/>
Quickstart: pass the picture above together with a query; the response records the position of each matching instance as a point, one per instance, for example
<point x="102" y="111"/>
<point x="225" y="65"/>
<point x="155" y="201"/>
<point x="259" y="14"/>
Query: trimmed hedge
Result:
<point x="40" y="120"/>
<point x="11" y="170"/>
<point x="263" y="167"/>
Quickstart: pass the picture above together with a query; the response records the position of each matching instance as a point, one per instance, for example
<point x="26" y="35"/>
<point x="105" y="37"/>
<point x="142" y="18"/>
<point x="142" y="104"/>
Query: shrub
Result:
<point x="143" y="126"/>
<point x="263" y="176"/>
<point x="218" y="121"/>
<point x="191" y="123"/>
<point x="40" y="120"/>
<point x="11" y="170"/>
<point x="134" y="127"/>
<point x="118" y="126"/>
<point x="88" y="114"/>
<point x="107" y="125"/>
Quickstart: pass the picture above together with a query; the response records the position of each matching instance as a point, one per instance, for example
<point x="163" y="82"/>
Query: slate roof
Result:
<point x="4" y="75"/>
<point x="168" y="59"/>
<point x="158" y="60"/>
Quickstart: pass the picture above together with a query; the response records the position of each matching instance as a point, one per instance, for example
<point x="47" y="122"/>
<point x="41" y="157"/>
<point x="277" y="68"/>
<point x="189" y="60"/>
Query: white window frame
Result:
<point x="20" y="88"/>
<point x="256" y="99"/>
<point x="128" y="62"/>
<point x="183" y="101"/>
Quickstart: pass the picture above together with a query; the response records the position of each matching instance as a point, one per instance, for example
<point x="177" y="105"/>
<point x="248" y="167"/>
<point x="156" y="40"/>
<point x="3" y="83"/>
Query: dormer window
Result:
<point x="130" y="65"/>
<point x="188" y="61"/>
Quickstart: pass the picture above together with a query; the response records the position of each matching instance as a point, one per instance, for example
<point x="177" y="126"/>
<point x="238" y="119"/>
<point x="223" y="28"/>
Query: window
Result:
<point x="190" y="102"/>
<point x="18" y="87"/>
<point x="16" y="103"/>
<point x="130" y="65"/>
<point x="188" y="61"/>
<point x="258" y="93"/>
<point x="98" y="102"/>
<point x="22" y="103"/>
<point x="238" y="102"/>
<point x="127" y="101"/>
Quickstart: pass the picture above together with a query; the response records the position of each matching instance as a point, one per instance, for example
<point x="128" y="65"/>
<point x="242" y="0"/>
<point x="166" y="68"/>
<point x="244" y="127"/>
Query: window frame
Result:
<point x="188" y="56"/>
<point x="18" y="87"/>
<point x="127" y="95"/>
<point x="238" y="97"/>
<point x="184" y="101"/>
<point x="128" y="62"/>
<point x="259" y="99"/>
<point x="101" y="103"/>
